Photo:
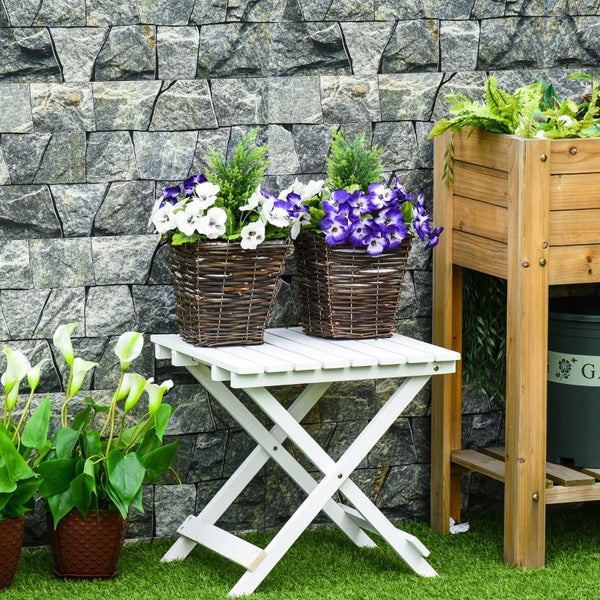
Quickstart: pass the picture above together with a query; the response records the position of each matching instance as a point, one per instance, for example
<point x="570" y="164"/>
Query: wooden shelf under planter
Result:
<point x="527" y="211"/>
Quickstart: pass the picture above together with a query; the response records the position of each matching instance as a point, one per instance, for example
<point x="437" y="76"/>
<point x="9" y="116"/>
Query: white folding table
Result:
<point x="290" y="357"/>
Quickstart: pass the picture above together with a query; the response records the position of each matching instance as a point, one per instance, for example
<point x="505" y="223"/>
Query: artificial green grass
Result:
<point x="325" y="565"/>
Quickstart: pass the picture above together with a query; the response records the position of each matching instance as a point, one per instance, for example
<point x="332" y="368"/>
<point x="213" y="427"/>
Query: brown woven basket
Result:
<point x="87" y="548"/>
<point x="224" y="294"/>
<point x="11" y="540"/>
<point x="344" y="292"/>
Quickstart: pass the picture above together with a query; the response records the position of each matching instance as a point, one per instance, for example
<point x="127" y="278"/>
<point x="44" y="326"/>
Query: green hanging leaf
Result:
<point x="35" y="433"/>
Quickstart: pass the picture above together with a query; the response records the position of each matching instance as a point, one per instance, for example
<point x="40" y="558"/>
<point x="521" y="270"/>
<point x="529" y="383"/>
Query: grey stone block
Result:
<point x="281" y="153"/>
<point x="366" y="42"/>
<point x="351" y="10"/>
<point x="207" y="140"/>
<point x="27" y="212"/>
<point x="209" y="11"/>
<point x="141" y="525"/>
<point x="165" y="12"/>
<point x="60" y="13"/>
<point x="405" y="492"/>
<point x="192" y="410"/>
<point x="62" y="106"/>
<point x="287" y="104"/>
<point x="15" y="268"/>
<point x="208" y="457"/>
<point x="58" y="263"/>
<point x="440" y="9"/>
<point x="4" y="174"/>
<point x="164" y="154"/>
<point x="122" y="259"/>
<point x="459" y="45"/>
<point x="124" y="104"/>
<point x="110" y="157"/>
<point x="22" y="310"/>
<point x="64" y="305"/>
<point x="350" y="99"/>
<point x="23" y="154"/>
<point x="21" y="13"/>
<point x="388" y="10"/>
<point x="160" y="270"/>
<point x="472" y="85"/>
<point x="263" y="10"/>
<point x="184" y="105"/>
<point x="155" y="308"/>
<point x="414" y="46"/>
<point x="109" y="311"/>
<point x="408" y="95"/>
<point x="63" y="160"/>
<point x="348" y="401"/>
<point x="263" y="49"/>
<point x="15" y="108"/>
<point x="311" y="142"/>
<point x="314" y="10"/>
<point x="486" y="9"/>
<point x="77" y="48"/>
<point x="399" y="144"/>
<point x="126" y="209"/>
<point x="77" y="205"/>
<point x="396" y="447"/>
<point x="173" y="504"/>
<point x="26" y="54"/>
<point x="240" y="101"/>
<point x="112" y="12"/>
<point x="177" y="52"/>
<point x="128" y="53"/>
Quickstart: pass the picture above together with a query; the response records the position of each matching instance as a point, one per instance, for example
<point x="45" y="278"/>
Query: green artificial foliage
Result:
<point x="350" y="165"/>
<point x="239" y="176"/>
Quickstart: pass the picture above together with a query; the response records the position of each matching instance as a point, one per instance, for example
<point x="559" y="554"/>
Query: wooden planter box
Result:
<point x="527" y="211"/>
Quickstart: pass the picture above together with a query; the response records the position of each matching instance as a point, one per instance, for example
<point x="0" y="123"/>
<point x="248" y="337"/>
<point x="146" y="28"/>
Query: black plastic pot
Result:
<point x="574" y="381"/>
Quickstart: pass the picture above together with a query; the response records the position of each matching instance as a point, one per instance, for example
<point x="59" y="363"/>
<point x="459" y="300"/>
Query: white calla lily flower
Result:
<point x="136" y="385"/>
<point x="129" y="347"/>
<point x="17" y="366"/>
<point x="156" y="393"/>
<point x="80" y="369"/>
<point x="34" y="373"/>
<point x="62" y="340"/>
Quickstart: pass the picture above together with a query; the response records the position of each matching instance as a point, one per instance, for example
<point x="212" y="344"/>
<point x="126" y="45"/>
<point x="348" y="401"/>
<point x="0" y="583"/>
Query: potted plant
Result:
<point x="94" y="469"/>
<point x="227" y="244"/>
<point x="352" y="251"/>
<point x="23" y="440"/>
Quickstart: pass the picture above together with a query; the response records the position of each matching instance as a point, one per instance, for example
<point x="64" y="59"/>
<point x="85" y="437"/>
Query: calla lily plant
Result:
<point x="92" y="463"/>
<point x="23" y="439"/>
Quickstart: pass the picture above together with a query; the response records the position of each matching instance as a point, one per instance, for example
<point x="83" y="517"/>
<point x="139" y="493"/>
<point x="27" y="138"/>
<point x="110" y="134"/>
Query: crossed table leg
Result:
<point x="336" y="477"/>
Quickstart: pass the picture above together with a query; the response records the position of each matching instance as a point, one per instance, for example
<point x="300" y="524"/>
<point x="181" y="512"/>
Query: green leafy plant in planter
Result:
<point x="94" y="469"/>
<point x="533" y="111"/>
<point x="23" y="441"/>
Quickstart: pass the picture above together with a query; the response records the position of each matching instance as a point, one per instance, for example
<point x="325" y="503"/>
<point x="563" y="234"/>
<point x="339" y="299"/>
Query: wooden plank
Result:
<point x="574" y="264"/>
<point x="574" y="192"/>
<point x="480" y="218"/>
<point x="559" y="474"/>
<point x="480" y="254"/>
<point x="574" y="156"/>
<point x="483" y="148"/>
<point x="526" y="347"/>
<point x="595" y="473"/>
<point x="574" y="227"/>
<point x="479" y="462"/>
<point x="481" y="183"/>
<point x="447" y="332"/>
<point x="582" y="493"/>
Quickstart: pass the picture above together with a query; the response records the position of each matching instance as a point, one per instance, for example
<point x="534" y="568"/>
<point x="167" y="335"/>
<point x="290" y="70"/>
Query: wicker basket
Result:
<point x="224" y="294"/>
<point x="344" y="292"/>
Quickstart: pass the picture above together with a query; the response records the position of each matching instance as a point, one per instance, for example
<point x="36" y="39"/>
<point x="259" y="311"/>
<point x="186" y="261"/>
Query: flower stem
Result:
<point x="112" y="415"/>
<point x="65" y="407"/>
<point x="22" y="419"/>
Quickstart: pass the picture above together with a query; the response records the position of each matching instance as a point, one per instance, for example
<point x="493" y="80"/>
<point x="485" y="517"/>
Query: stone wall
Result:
<point x="103" y="103"/>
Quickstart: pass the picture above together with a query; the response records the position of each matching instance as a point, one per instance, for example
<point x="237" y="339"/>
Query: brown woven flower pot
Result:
<point x="224" y="294"/>
<point x="11" y="541"/>
<point x="344" y="292"/>
<point x="87" y="548"/>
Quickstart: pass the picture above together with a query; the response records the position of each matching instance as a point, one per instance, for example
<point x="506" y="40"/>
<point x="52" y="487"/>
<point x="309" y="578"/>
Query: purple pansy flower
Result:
<point x="170" y="195"/>
<point x="379" y="196"/>
<point x="192" y="182"/>
<point x="395" y="234"/>
<point x="335" y="229"/>
<point x="376" y="242"/>
<point x="434" y="237"/>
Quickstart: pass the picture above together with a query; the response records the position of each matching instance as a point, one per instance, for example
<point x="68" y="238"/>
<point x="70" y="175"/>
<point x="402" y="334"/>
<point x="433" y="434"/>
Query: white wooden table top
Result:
<point x="289" y="356"/>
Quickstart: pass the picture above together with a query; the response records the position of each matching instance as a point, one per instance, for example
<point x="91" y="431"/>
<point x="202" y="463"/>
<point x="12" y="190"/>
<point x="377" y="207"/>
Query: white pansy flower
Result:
<point x="257" y="199"/>
<point x="187" y="220"/>
<point x="163" y="219"/>
<point x="212" y="224"/>
<point x="297" y="223"/>
<point x="541" y="134"/>
<point x="252" y="235"/>
<point x="279" y="217"/>
<point x="206" y="193"/>
<point x="312" y="188"/>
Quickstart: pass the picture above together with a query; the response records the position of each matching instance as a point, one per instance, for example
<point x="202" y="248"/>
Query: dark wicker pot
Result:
<point x="344" y="292"/>
<point x="224" y="294"/>
<point x="87" y="548"/>
<point x="11" y="542"/>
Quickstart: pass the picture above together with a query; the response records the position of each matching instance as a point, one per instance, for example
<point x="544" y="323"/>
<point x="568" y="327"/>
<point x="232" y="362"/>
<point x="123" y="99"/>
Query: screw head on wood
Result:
<point x="542" y="262"/>
<point x="535" y="497"/>
<point x="544" y="157"/>
<point x="573" y="150"/>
